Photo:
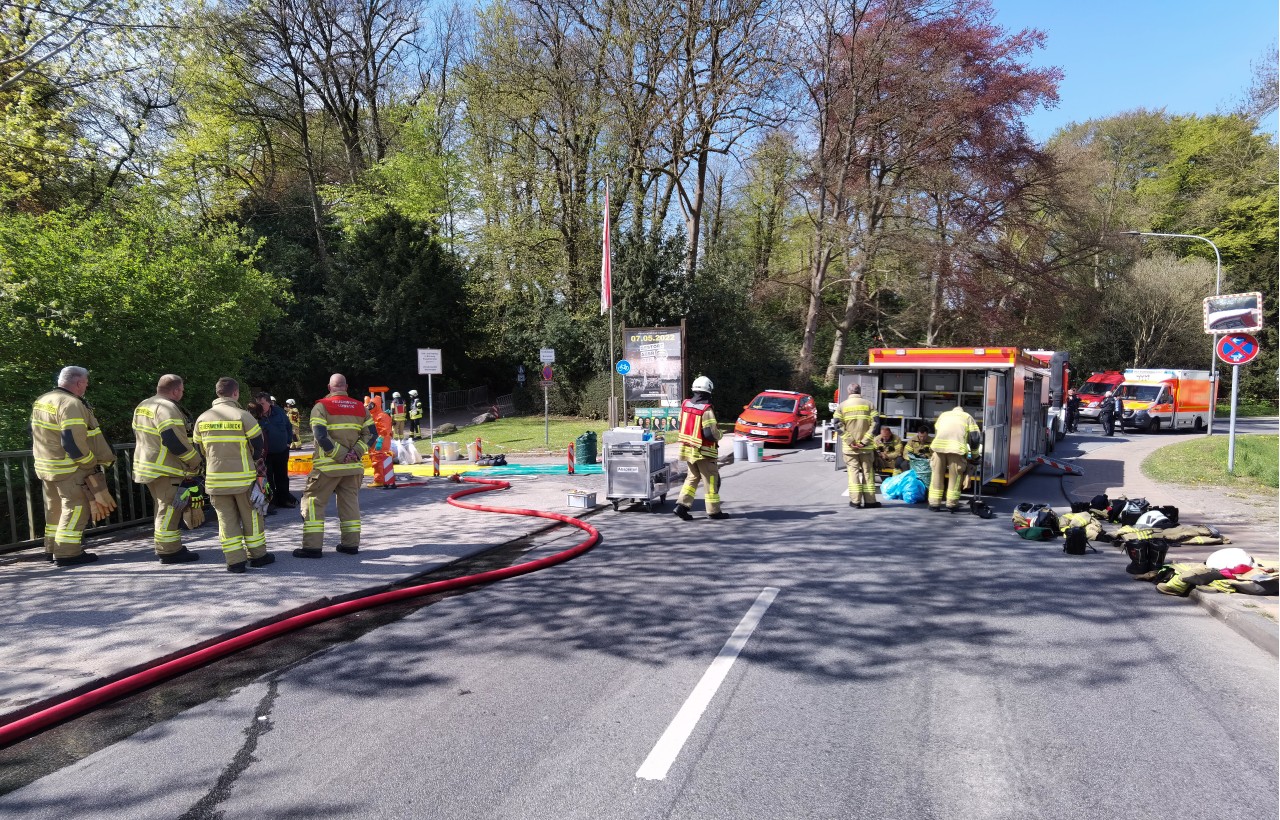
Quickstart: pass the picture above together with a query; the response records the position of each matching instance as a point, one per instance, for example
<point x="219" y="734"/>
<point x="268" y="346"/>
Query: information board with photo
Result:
<point x="656" y="365"/>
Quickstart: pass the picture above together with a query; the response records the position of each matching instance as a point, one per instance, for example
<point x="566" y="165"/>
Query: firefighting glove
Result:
<point x="101" y="502"/>
<point x="973" y="458"/>
<point x="352" y="455"/>
<point x="258" y="496"/>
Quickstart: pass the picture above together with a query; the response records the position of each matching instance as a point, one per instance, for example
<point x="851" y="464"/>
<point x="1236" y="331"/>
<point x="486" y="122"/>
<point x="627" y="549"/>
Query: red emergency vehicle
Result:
<point x="1008" y="391"/>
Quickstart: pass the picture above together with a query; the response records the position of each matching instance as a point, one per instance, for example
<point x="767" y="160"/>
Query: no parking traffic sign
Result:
<point x="1237" y="348"/>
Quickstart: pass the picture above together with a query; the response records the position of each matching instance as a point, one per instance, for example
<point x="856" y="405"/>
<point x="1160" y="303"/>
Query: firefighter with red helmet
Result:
<point x="699" y="448"/>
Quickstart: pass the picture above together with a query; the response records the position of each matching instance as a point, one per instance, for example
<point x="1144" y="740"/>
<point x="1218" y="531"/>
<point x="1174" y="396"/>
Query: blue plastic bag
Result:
<point x="913" y="491"/>
<point x="893" y="486"/>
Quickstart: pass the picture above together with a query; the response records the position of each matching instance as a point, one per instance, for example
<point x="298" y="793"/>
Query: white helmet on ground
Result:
<point x="290" y="402"/>
<point x="395" y="395"/>
<point x="413" y="393"/>
<point x="703" y="385"/>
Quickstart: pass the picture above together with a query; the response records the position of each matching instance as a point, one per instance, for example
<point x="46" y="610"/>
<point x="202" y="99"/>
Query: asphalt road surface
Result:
<point x="801" y="660"/>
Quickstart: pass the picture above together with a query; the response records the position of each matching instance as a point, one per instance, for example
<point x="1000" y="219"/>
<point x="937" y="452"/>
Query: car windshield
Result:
<point x="774" y="404"/>
<point x="1094" y="388"/>
<point x="1140" y="392"/>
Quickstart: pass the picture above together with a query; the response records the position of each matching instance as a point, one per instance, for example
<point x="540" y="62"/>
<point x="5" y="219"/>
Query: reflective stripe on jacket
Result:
<point x="60" y="417"/>
<point x="347" y="425"/>
<point x="952" y="433"/>
<point x="698" y="431"/>
<point x="152" y="458"/>
<point x="858" y="420"/>
<point x="223" y="432"/>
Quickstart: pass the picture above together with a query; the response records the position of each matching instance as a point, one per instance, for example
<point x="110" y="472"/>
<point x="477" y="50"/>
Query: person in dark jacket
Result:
<point x="1073" y="410"/>
<point x="1109" y="414"/>
<point x="279" y="435"/>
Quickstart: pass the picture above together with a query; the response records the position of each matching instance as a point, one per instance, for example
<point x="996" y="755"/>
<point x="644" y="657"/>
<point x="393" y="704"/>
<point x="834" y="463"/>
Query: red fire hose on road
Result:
<point x="24" y="727"/>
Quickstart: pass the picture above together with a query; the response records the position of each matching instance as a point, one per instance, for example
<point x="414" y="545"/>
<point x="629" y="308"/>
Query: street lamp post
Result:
<point x="1217" y="291"/>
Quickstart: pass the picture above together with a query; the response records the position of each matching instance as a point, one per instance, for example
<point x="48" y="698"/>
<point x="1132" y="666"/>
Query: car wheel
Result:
<point x="1198" y="427"/>
<point x="1155" y="426"/>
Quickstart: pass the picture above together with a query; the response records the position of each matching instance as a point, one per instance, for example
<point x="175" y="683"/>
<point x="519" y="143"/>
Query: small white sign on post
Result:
<point x="429" y="363"/>
<point x="547" y="355"/>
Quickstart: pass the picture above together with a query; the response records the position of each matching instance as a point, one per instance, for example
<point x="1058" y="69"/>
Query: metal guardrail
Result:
<point x="22" y="502"/>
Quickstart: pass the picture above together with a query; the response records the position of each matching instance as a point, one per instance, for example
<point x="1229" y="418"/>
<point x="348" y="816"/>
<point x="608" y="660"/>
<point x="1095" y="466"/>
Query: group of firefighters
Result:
<point x="219" y="458"/>
<point x="954" y="449"/>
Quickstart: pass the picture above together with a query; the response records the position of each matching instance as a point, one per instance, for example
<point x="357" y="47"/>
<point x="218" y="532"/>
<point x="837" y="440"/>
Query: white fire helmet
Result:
<point x="290" y="402"/>
<point x="395" y="395"/>
<point x="703" y="385"/>
<point x="413" y="393"/>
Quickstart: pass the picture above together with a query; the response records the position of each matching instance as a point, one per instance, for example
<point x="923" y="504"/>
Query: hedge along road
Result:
<point x="909" y="664"/>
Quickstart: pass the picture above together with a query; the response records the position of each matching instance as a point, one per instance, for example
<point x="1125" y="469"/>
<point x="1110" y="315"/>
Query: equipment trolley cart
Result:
<point x="637" y="472"/>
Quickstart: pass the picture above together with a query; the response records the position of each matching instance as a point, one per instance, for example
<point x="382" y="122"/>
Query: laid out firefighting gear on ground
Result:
<point x="415" y="414"/>
<point x="233" y="447"/>
<point x="398" y="415"/>
<point x="856" y="420"/>
<point x="344" y="432"/>
<point x="163" y="459"/>
<point x="1192" y="534"/>
<point x="699" y="448"/>
<point x="890" y="452"/>
<point x="1089" y="523"/>
<point x="1247" y="577"/>
<point x="68" y="447"/>
<point x="295" y="421"/>
<point x="957" y="441"/>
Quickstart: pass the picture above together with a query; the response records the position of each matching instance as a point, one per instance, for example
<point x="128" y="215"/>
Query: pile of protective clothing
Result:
<point x="1230" y="570"/>
<point x="1146" y="532"/>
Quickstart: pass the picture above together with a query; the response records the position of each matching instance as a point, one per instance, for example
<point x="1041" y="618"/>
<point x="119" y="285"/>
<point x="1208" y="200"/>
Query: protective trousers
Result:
<point x="66" y="514"/>
<point x="709" y="469"/>
<point x="240" y="528"/>
<point x="315" y="498"/>
<point x="948" y="468"/>
<point x="862" y="477"/>
<point x="397" y="428"/>
<point x="168" y="538"/>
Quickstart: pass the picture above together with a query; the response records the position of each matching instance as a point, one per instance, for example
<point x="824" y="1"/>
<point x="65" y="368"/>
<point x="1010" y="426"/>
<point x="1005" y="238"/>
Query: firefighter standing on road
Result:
<point x="398" y="415"/>
<point x="415" y="414"/>
<point x="699" y="447"/>
<point x="234" y="448"/>
<point x="163" y="459"/>
<point x="343" y="433"/>
<point x="856" y="419"/>
<point x="957" y="442"/>
<point x="295" y="421"/>
<point x="68" y="447"/>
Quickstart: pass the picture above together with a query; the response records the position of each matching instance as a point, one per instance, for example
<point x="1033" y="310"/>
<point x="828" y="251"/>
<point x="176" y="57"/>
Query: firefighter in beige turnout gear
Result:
<point x="343" y="432"/>
<point x="68" y="448"/>
<point x="699" y="448"/>
<point x="234" y="447"/>
<point x="856" y="419"/>
<point x="956" y="443"/>
<point x="163" y="459"/>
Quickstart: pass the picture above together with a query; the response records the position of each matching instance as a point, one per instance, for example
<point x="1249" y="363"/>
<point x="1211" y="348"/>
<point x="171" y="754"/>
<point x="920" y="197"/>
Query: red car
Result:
<point x="779" y="416"/>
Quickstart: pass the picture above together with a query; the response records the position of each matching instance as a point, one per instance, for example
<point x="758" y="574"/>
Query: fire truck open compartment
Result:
<point x="1006" y="391"/>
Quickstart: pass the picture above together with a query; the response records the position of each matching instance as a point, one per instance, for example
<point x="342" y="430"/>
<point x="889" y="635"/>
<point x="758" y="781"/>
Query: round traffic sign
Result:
<point x="623" y="367"/>
<point x="546" y="373"/>
<point x="1237" y="348"/>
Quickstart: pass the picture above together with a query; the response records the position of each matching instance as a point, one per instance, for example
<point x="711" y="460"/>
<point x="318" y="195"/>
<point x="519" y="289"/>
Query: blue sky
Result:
<point x="1185" y="57"/>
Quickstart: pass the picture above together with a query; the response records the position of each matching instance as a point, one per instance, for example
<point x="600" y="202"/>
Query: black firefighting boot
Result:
<point x="683" y="512"/>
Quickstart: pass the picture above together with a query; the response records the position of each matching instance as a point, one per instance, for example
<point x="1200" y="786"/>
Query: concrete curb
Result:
<point x="1253" y="626"/>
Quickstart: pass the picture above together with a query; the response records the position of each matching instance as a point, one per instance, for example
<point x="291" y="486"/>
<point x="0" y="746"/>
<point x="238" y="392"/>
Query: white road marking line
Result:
<point x="664" y="752"/>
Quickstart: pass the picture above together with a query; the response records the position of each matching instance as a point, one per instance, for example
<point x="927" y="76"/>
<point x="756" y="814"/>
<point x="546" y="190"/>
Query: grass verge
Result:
<point x="1203" y="460"/>
<point x="1245" y="410"/>
<point x="524" y="434"/>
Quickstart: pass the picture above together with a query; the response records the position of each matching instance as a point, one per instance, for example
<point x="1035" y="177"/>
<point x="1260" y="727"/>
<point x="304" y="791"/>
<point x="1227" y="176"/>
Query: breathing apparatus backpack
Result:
<point x="1132" y="510"/>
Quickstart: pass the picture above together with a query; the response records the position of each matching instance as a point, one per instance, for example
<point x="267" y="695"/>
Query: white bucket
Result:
<point x="755" y="451"/>
<point x="740" y="444"/>
<point x="473" y="451"/>
<point x="448" y="450"/>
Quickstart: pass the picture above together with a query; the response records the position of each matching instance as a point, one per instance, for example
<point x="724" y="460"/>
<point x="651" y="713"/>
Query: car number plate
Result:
<point x="759" y="432"/>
